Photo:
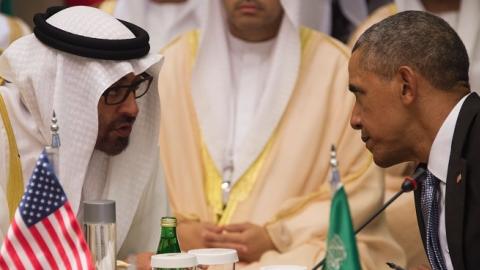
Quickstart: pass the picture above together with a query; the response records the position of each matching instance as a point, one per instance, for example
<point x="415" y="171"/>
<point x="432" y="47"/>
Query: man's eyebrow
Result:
<point x="354" y="88"/>
<point x="124" y="81"/>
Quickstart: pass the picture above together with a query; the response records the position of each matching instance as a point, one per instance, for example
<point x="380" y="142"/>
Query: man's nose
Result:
<point x="129" y="106"/>
<point x="355" y="119"/>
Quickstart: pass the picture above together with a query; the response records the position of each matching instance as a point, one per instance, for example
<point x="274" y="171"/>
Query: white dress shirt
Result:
<point x="438" y="165"/>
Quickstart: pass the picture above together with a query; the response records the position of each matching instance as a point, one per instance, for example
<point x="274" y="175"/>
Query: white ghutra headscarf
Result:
<point x="48" y="79"/>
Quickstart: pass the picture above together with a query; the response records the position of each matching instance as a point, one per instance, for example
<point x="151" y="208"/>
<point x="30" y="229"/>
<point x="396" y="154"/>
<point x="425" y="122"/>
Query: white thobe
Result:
<point x="250" y="65"/>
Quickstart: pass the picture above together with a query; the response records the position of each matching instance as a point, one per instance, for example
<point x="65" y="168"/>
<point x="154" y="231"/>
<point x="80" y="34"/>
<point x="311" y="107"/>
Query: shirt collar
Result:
<point x="439" y="156"/>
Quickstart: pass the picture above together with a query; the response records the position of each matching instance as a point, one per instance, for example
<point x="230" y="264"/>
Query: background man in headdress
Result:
<point x="250" y="108"/>
<point x="95" y="73"/>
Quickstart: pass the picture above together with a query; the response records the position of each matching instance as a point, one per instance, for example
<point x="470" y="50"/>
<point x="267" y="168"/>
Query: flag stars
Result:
<point x="43" y="194"/>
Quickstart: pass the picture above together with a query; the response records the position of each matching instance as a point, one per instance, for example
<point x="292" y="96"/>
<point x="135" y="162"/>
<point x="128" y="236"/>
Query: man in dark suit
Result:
<point x="409" y="74"/>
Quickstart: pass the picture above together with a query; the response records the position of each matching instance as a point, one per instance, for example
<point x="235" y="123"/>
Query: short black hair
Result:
<point x="419" y="40"/>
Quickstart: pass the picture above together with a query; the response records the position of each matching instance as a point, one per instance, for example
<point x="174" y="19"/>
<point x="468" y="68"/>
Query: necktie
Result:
<point x="430" y="205"/>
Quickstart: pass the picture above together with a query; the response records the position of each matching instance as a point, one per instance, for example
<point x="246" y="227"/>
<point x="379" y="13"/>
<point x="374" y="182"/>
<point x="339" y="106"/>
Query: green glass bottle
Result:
<point x="168" y="239"/>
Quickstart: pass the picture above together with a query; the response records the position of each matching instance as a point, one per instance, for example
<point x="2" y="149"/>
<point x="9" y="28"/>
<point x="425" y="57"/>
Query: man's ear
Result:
<point x="409" y="84"/>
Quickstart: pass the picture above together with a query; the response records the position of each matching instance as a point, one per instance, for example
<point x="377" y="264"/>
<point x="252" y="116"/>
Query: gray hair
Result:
<point x="419" y="40"/>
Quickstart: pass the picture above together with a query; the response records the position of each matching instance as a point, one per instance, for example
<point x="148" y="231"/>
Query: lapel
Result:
<point x="457" y="178"/>
<point x="454" y="209"/>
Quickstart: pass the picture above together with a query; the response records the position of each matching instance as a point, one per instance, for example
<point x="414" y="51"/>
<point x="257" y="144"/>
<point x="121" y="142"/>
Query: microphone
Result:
<point x="394" y="266"/>
<point x="409" y="184"/>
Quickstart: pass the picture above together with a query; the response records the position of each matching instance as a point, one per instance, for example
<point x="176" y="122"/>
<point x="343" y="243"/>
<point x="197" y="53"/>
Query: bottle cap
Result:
<point x="169" y="222"/>
<point x="173" y="260"/>
<point x="213" y="256"/>
<point x="283" y="267"/>
<point x="99" y="211"/>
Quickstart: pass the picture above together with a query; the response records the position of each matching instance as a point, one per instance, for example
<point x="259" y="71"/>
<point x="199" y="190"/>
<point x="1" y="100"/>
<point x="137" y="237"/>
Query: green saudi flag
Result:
<point x="342" y="253"/>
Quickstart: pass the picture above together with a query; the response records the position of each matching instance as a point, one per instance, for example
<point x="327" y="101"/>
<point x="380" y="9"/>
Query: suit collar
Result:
<point x="456" y="180"/>
<point x="468" y="112"/>
<point x="440" y="150"/>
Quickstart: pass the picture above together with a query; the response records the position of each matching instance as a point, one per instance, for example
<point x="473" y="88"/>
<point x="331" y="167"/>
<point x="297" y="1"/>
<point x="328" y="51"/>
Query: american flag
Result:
<point x="44" y="233"/>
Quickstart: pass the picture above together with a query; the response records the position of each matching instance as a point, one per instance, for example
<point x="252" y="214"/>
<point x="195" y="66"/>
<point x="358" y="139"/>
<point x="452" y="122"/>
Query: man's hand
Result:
<point x="250" y="240"/>
<point x="194" y="234"/>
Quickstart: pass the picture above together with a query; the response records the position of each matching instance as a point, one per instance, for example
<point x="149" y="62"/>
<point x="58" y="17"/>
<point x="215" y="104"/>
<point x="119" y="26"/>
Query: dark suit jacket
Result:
<point x="462" y="201"/>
